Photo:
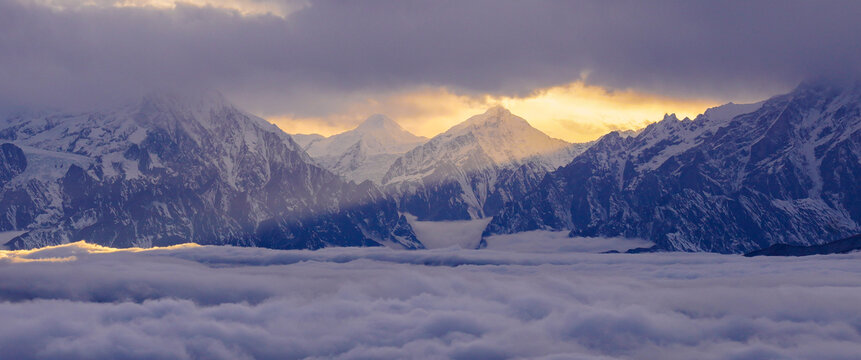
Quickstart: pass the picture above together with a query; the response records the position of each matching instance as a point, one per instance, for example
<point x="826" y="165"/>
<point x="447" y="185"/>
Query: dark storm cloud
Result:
<point x="343" y="303"/>
<point x="717" y="49"/>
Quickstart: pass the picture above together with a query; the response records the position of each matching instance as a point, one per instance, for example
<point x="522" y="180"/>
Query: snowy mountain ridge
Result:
<point x="735" y="179"/>
<point x="178" y="168"/>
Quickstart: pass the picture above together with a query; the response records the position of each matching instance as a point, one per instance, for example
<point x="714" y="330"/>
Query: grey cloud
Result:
<point x="237" y="303"/>
<point x="719" y="49"/>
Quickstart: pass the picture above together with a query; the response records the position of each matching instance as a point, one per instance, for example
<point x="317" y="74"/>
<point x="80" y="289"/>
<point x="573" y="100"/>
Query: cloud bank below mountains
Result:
<point x="237" y="303"/>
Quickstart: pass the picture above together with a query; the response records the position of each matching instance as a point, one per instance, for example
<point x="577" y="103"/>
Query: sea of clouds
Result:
<point x="84" y="302"/>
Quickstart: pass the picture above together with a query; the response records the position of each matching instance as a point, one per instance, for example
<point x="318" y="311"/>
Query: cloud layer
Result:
<point x="234" y="303"/>
<point x="305" y="62"/>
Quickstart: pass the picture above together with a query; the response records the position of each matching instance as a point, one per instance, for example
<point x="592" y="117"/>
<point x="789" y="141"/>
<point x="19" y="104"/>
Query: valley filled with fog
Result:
<point x="504" y="301"/>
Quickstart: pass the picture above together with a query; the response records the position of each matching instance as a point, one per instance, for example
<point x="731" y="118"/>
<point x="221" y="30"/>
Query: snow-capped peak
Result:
<point x="475" y="165"/>
<point x="504" y="137"/>
<point x="199" y="113"/>
<point x="498" y="135"/>
<point x="496" y="116"/>
<point x="364" y="153"/>
<point x="379" y="135"/>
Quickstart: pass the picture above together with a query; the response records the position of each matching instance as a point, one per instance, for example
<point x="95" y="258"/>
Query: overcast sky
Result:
<point x="330" y="61"/>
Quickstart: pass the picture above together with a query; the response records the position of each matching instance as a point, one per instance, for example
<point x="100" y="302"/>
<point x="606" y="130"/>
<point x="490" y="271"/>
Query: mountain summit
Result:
<point x="366" y="152"/>
<point x="456" y="174"/>
<point x="506" y="138"/>
<point x="378" y="133"/>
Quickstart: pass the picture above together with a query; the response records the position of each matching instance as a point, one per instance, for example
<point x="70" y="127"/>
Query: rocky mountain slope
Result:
<point x="173" y="169"/>
<point x="734" y="179"/>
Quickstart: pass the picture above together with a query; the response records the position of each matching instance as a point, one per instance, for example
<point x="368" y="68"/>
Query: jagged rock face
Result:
<point x="12" y="162"/>
<point x="177" y="169"/>
<point x="475" y="167"/>
<point x="786" y="172"/>
<point x="364" y="153"/>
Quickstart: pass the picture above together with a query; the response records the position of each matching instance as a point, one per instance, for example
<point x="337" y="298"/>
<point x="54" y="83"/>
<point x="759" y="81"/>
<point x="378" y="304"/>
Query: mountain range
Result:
<point x="466" y="172"/>
<point x="735" y="179"/>
<point x="177" y="168"/>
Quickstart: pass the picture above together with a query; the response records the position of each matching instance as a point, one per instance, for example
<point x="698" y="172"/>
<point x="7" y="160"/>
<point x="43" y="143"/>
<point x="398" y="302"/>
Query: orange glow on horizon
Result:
<point x="575" y="112"/>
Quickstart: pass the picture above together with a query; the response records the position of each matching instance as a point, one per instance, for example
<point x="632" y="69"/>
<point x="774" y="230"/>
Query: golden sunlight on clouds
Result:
<point x="575" y="112"/>
<point x="578" y="112"/>
<point x="69" y="252"/>
<point x="244" y="7"/>
<point x="426" y="111"/>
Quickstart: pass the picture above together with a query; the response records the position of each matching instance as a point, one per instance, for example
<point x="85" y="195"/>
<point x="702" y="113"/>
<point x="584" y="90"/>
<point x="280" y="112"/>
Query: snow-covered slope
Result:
<point x="735" y="179"/>
<point x="175" y="168"/>
<point x="469" y="171"/>
<point x="379" y="133"/>
<point x="364" y="153"/>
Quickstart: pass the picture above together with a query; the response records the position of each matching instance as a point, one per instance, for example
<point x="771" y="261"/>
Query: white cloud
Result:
<point x="559" y="242"/>
<point x="237" y="303"/>
<point x="465" y="234"/>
